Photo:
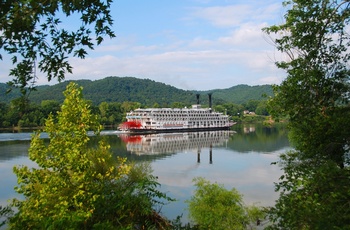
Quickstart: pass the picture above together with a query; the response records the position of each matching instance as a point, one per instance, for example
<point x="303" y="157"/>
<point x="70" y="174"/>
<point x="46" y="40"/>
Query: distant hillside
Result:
<point x="145" y="91"/>
<point x="242" y="93"/>
<point x="4" y="97"/>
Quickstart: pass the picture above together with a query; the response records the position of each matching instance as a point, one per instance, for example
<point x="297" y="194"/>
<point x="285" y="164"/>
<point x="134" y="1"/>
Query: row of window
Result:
<point x="190" y="119"/>
<point x="173" y="112"/>
<point x="193" y="123"/>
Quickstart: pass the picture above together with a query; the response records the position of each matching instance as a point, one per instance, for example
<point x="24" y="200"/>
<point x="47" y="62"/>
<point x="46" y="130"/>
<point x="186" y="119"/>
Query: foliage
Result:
<point x="251" y="105"/>
<point x="34" y="115"/>
<point x="177" y="224"/>
<point x="246" y="119"/>
<point x="214" y="207"/>
<point x="138" y="199"/>
<point x="49" y="107"/>
<point x="33" y="35"/>
<point x="144" y="91"/>
<point x="111" y="98"/>
<point x="262" y="108"/>
<point x="5" y="212"/>
<point x="111" y="113"/>
<point x="229" y="108"/>
<point x="315" y="194"/>
<point x="77" y="187"/>
<point x="315" y="93"/>
<point x="3" y="111"/>
<point x="240" y="94"/>
<point x="315" y="98"/>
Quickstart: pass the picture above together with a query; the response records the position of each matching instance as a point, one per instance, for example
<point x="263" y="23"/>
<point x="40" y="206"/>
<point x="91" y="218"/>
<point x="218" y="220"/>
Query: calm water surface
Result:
<point x="240" y="158"/>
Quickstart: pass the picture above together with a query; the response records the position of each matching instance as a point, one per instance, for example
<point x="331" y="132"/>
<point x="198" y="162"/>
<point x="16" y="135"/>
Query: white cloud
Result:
<point x="246" y="36"/>
<point x="223" y="16"/>
<point x="198" y="69"/>
<point x="238" y="14"/>
<point x="234" y="51"/>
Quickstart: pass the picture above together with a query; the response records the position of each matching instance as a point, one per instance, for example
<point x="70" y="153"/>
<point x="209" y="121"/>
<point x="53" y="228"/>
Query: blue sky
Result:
<point x="189" y="44"/>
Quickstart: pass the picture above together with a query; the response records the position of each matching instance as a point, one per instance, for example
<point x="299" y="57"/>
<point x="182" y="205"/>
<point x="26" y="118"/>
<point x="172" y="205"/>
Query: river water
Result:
<point x="240" y="158"/>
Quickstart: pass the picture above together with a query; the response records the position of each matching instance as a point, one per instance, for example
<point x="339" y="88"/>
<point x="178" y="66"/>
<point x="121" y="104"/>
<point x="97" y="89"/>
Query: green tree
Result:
<point x="32" y="35"/>
<point x="77" y="187"/>
<point x="156" y="105"/>
<point x="116" y="115"/>
<point x="315" y="94"/>
<point x="15" y="111"/>
<point x="314" y="195"/>
<point x="127" y="106"/>
<point x="220" y="108"/>
<point x="261" y="109"/>
<point x="177" y="104"/>
<point x="111" y="113"/>
<point x="251" y="105"/>
<point x="315" y="98"/>
<point x="33" y="117"/>
<point x="49" y="106"/>
<point x="233" y="109"/>
<point x="3" y="110"/>
<point x="214" y="207"/>
<point x="104" y="112"/>
<point x="229" y="109"/>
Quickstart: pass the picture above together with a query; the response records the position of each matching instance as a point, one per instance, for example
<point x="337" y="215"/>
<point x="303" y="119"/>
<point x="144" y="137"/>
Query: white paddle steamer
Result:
<point x="176" y="119"/>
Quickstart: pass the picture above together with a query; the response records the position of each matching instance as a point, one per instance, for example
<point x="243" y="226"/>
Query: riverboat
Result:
<point x="176" y="119"/>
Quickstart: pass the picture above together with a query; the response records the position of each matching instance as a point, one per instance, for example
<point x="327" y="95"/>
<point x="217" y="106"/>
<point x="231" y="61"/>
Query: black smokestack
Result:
<point x="209" y="94"/>
<point x="197" y="99"/>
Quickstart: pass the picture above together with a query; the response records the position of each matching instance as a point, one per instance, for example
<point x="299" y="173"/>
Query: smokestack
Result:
<point x="198" y="156"/>
<point x="209" y="94"/>
<point x="211" y="154"/>
<point x="197" y="99"/>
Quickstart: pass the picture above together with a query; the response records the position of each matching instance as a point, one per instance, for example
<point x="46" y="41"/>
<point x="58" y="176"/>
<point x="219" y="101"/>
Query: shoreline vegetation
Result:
<point x="242" y="103"/>
<point x="84" y="180"/>
<point x="246" y="119"/>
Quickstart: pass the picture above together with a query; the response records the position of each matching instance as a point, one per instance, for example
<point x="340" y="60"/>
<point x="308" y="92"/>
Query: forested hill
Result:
<point x="145" y="91"/>
<point x="242" y="93"/>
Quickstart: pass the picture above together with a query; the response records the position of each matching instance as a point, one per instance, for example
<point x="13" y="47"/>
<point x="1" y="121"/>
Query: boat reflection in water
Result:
<point x="160" y="143"/>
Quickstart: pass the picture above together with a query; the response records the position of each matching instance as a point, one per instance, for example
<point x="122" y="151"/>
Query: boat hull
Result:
<point x="178" y="130"/>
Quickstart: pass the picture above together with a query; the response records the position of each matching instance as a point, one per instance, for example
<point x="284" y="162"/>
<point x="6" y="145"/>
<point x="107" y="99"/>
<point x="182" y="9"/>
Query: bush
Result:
<point x="77" y="187"/>
<point x="214" y="207"/>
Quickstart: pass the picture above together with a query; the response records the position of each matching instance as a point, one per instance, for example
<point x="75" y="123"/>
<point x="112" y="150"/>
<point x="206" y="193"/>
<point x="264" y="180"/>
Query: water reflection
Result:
<point x="259" y="138"/>
<point x="174" y="142"/>
<point x="240" y="159"/>
<point x="231" y="159"/>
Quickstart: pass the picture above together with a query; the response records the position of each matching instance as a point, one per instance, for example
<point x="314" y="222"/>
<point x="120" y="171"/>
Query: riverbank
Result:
<point x="257" y="119"/>
<point x="244" y="119"/>
<point x="17" y="129"/>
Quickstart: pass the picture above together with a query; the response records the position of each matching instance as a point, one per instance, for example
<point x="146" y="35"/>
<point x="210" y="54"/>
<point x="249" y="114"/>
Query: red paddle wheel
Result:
<point x="130" y="125"/>
<point x="130" y="139"/>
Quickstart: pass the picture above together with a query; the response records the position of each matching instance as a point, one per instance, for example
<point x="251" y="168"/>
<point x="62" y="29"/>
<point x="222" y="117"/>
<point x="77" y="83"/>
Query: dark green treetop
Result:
<point x="315" y="96"/>
<point x="33" y="36"/>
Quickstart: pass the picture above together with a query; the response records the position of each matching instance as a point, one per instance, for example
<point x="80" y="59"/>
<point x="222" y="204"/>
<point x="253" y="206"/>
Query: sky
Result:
<point x="188" y="44"/>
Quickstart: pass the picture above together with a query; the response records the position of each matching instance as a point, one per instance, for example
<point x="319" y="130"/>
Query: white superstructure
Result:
<point x="169" y="119"/>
